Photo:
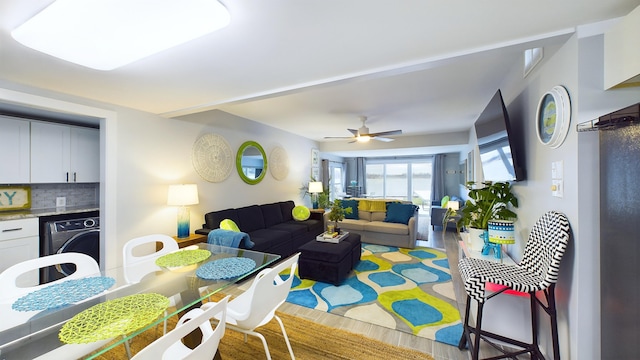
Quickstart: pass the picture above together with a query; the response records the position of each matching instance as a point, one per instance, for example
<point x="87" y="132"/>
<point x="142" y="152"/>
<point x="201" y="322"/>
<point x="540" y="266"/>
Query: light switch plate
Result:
<point x="61" y="201"/>
<point x="557" y="188"/>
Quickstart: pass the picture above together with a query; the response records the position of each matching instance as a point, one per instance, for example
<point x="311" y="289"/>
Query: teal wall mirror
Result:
<point x="251" y="162"/>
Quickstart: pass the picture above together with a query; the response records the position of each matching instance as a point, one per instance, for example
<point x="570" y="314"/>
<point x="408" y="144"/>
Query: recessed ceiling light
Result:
<point x="106" y="34"/>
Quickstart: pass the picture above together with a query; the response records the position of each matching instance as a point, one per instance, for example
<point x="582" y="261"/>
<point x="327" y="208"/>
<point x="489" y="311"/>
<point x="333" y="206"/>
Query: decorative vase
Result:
<point x="477" y="238"/>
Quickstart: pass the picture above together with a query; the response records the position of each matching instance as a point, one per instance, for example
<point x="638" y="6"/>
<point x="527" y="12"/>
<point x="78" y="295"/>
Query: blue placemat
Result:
<point x="226" y="268"/>
<point x="64" y="293"/>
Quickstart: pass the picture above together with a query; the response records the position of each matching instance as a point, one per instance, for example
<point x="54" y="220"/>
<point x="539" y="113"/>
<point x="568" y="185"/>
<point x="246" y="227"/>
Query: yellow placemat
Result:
<point x="183" y="258"/>
<point x="113" y="318"/>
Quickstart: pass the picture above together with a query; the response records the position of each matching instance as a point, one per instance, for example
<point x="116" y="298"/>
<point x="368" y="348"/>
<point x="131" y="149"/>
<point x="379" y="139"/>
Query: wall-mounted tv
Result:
<point x="498" y="153"/>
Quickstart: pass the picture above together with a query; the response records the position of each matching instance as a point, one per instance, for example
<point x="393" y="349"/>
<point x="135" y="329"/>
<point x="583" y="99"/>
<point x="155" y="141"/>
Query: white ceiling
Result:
<point x="312" y="67"/>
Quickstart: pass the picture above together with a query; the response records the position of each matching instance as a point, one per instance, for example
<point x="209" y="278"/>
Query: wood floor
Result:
<point x="439" y="351"/>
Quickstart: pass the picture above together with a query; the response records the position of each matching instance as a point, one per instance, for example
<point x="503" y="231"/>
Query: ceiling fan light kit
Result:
<point x="107" y="34"/>
<point x="363" y="135"/>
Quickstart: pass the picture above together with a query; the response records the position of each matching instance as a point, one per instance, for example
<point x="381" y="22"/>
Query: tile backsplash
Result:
<point x="43" y="196"/>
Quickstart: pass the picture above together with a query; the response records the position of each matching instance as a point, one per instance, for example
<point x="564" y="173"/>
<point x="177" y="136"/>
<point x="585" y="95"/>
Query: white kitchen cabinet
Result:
<point x="14" y="151"/>
<point x="63" y="153"/>
<point x="19" y="241"/>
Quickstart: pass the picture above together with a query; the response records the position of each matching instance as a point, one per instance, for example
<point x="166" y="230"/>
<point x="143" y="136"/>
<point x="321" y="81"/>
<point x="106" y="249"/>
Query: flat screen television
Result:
<point x="498" y="151"/>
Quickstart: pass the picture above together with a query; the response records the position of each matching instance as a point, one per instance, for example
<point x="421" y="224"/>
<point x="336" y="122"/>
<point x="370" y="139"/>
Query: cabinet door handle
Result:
<point x="67" y="176"/>
<point x="74" y="177"/>
<point x="14" y="229"/>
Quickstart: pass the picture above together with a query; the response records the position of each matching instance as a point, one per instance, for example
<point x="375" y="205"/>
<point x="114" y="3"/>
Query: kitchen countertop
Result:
<point x="34" y="213"/>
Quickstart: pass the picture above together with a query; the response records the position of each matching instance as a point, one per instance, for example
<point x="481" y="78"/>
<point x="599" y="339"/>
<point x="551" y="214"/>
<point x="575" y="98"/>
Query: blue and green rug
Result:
<point x="408" y="290"/>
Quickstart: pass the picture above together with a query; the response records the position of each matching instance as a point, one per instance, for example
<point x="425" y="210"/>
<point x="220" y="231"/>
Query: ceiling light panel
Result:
<point x="107" y="34"/>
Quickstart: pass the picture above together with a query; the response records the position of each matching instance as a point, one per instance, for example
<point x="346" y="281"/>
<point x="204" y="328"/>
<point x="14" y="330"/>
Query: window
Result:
<point x="403" y="179"/>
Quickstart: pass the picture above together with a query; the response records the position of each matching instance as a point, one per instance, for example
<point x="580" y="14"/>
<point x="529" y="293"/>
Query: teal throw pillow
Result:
<point x="399" y="213"/>
<point x="353" y="204"/>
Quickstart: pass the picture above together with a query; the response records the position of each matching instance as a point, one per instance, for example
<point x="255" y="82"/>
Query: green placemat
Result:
<point x="113" y="318"/>
<point x="183" y="258"/>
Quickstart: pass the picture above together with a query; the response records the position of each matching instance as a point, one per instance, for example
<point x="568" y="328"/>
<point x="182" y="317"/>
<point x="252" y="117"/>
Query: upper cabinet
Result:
<point x="622" y="53"/>
<point x="14" y="151"/>
<point x="63" y="153"/>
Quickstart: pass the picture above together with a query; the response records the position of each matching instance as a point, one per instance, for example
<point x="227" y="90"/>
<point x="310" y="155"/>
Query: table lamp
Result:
<point x="501" y="232"/>
<point x="182" y="196"/>
<point x="315" y="187"/>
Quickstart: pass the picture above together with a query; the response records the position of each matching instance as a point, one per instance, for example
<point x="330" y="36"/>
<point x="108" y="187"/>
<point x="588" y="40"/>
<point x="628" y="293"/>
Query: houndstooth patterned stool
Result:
<point x="538" y="271"/>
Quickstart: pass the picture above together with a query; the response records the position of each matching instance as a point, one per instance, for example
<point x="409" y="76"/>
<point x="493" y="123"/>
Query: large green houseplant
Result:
<point x="490" y="202"/>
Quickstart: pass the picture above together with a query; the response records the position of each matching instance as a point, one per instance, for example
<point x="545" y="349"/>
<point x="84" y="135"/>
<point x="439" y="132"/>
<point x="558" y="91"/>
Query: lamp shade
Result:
<point x="453" y="205"/>
<point x="182" y="195"/>
<point x="315" y="187"/>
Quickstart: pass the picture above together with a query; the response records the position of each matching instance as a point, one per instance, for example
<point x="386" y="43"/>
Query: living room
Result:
<point x="143" y="153"/>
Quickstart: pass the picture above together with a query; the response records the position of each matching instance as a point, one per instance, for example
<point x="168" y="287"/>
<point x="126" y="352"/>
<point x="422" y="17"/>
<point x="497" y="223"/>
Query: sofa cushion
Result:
<point x="228" y="224"/>
<point x="265" y="239"/>
<point x="286" y="207"/>
<point x="212" y="220"/>
<point x="300" y="213"/>
<point x="351" y="224"/>
<point x="364" y="215"/>
<point x="386" y="227"/>
<point x="378" y="216"/>
<point x="272" y="214"/>
<point x="353" y="204"/>
<point x="250" y="218"/>
<point x="399" y="213"/>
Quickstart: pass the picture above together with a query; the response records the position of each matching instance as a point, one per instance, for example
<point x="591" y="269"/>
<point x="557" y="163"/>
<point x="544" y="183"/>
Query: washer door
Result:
<point x="86" y="242"/>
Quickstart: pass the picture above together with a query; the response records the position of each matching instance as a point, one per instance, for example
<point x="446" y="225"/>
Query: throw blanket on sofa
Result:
<point x="229" y="238"/>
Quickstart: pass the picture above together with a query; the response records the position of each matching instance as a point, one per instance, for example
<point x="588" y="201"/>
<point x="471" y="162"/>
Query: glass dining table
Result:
<point x="111" y="311"/>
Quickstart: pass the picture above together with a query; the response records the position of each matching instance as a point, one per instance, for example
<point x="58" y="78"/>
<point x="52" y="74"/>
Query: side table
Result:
<point x="188" y="241"/>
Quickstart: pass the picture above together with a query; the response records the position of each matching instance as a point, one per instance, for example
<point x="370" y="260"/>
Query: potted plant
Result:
<point x="337" y="213"/>
<point x="484" y="204"/>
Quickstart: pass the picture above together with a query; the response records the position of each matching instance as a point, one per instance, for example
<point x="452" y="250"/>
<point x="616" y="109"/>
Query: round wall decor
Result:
<point x="212" y="157"/>
<point x="279" y="163"/>
<point x="553" y="117"/>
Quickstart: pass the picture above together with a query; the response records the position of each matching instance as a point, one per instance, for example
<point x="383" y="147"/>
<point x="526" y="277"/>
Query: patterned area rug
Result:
<point x="404" y="289"/>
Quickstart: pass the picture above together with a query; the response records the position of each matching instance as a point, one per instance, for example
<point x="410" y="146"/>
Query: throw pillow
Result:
<point x="444" y="201"/>
<point x="399" y="213"/>
<point x="353" y="204"/>
<point x="300" y="213"/>
<point x="228" y="224"/>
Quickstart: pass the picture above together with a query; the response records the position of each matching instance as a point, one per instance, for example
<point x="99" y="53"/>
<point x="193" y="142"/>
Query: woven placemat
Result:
<point x="226" y="268"/>
<point x="183" y="258"/>
<point x="63" y="293"/>
<point x="113" y="318"/>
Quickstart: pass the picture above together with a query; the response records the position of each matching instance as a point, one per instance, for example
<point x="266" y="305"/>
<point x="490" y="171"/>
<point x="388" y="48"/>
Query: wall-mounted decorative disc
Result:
<point x="212" y="157"/>
<point x="279" y="163"/>
<point x="553" y="117"/>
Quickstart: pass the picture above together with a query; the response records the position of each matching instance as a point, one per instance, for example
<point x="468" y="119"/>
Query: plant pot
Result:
<point x="477" y="239"/>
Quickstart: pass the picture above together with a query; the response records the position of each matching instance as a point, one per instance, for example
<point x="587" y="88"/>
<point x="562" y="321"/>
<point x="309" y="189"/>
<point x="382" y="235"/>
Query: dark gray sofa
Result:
<point x="271" y="227"/>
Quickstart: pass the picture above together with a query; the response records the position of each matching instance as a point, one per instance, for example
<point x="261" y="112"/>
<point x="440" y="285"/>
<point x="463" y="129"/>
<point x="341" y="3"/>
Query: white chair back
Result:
<point x="85" y="266"/>
<point x="136" y="267"/>
<point x="267" y="292"/>
<point x="170" y="345"/>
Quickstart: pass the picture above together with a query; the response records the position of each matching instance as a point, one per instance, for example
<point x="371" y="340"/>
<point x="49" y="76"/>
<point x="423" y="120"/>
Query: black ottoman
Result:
<point x="328" y="262"/>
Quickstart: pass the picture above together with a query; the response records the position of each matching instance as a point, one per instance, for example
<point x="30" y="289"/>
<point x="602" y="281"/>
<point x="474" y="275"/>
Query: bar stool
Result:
<point x="538" y="271"/>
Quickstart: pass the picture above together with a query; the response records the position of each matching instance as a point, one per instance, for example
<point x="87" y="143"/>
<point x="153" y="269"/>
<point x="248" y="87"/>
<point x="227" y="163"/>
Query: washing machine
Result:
<point x="72" y="235"/>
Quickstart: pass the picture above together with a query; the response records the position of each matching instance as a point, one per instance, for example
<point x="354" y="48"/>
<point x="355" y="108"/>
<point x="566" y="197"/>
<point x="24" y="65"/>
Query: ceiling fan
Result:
<point x="363" y="134"/>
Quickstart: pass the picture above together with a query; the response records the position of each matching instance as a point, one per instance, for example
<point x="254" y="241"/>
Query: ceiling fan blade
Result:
<point x="338" y="137"/>
<point x="385" y="133"/>
<point x="354" y="132"/>
<point x="384" y="139"/>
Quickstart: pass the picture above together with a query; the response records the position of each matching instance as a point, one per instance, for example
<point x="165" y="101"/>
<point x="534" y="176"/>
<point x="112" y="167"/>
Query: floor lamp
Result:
<point x="182" y="196"/>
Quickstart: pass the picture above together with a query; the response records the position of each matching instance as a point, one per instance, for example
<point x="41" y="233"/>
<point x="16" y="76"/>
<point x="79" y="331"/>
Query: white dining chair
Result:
<point x="136" y="266"/>
<point x="170" y="346"/>
<point x="258" y="304"/>
<point x="85" y="266"/>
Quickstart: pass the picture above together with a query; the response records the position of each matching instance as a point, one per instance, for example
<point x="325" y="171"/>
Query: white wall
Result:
<point x="578" y="66"/>
<point x="142" y="154"/>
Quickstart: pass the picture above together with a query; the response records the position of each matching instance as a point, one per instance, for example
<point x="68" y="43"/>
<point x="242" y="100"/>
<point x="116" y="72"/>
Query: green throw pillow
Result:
<point x="300" y="213"/>
<point x="228" y="224"/>
<point x="444" y="201"/>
